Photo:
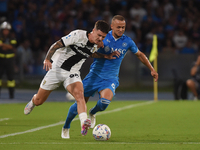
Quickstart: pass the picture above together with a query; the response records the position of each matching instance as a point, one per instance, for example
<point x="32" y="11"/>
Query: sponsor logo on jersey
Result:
<point x="80" y="51"/>
<point x="122" y="51"/>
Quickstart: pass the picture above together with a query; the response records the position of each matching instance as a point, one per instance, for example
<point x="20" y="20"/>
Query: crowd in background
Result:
<point x="38" y="24"/>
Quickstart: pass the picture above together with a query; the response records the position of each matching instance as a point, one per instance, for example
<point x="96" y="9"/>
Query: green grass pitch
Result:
<point x="135" y="125"/>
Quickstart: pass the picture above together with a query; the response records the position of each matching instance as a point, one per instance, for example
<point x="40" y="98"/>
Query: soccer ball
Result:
<point x="101" y="132"/>
<point x="70" y="97"/>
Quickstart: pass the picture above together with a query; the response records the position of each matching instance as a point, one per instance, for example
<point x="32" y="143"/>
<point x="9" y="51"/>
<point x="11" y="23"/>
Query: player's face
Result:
<point x="98" y="36"/>
<point x="118" y="28"/>
<point x="6" y="32"/>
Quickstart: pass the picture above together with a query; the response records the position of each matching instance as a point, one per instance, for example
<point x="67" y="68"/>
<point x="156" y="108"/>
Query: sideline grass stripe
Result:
<point x="3" y="119"/>
<point x="100" y="143"/>
<point x="62" y="122"/>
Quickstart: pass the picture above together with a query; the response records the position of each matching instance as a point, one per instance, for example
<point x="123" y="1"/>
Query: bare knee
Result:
<point x="78" y="95"/>
<point x="190" y="83"/>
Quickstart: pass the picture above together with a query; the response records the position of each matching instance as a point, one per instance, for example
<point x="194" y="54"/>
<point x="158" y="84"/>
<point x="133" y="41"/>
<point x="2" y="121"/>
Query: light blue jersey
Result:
<point x="103" y="72"/>
<point x="109" y="69"/>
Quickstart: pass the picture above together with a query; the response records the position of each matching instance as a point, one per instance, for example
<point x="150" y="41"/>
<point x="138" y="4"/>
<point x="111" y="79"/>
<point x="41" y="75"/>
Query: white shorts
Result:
<point x="56" y="76"/>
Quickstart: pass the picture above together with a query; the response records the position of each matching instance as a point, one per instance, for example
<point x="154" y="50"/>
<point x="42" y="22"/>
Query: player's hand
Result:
<point x="154" y="75"/>
<point x="100" y="44"/>
<point x="114" y="55"/>
<point x="47" y="65"/>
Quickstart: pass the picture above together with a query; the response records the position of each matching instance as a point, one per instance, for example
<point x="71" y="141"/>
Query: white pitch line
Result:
<point x="62" y="122"/>
<point x="100" y="143"/>
<point x="2" y="119"/>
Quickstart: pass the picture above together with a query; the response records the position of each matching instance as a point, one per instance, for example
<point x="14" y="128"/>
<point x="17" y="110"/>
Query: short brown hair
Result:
<point x="118" y="17"/>
<point x="102" y="25"/>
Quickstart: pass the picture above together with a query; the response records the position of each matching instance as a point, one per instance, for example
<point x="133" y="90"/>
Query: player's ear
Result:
<point x="111" y="26"/>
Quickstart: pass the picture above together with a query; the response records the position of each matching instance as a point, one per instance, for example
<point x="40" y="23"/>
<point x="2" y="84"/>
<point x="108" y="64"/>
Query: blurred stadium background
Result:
<point x="38" y="24"/>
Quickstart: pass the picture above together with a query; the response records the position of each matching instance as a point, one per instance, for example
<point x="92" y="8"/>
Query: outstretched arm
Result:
<point x="51" y="51"/>
<point x="110" y="56"/>
<point x="142" y="57"/>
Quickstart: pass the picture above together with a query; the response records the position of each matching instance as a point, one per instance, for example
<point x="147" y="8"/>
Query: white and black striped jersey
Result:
<point x="77" y="49"/>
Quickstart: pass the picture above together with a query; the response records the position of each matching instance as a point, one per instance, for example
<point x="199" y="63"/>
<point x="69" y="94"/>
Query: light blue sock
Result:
<point x="101" y="105"/>
<point x="71" y="115"/>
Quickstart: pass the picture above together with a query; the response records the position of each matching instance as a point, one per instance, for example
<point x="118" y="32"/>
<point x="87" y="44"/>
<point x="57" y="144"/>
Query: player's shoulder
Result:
<point x="78" y="32"/>
<point x="125" y="37"/>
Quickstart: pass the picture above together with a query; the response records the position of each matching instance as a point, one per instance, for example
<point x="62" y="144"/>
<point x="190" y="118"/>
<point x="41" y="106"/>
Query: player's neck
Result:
<point x="115" y="36"/>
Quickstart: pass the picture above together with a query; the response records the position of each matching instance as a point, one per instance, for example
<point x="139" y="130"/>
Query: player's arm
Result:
<point x="113" y="55"/>
<point x="51" y="51"/>
<point x="142" y="57"/>
<point x="6" y="46"/>
<point x="10" y="46"/>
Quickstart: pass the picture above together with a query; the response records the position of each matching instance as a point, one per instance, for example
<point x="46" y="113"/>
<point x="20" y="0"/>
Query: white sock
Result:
<point x="82" y="117"/>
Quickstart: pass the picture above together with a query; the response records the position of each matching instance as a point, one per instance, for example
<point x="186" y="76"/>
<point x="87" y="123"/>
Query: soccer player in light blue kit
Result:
<point x="104" y="74"/>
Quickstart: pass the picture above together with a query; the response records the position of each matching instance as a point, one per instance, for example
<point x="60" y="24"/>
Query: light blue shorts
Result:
<point x="93" y="83"/>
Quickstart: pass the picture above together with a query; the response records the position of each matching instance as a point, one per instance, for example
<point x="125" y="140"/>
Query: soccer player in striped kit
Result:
<point x="63" y="62"/>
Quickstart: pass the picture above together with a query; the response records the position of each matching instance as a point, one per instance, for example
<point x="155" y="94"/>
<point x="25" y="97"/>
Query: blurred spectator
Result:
<point x="168" y="8"/>
<point x="3" y="8"/>
<point x="50" y="19"/>
<point x="168" y="48"/>
<point x="129" y="31"/>
<point x="137" y="10"/>
<point x="180" y="40"/>
<point x="188" y="49"/>
<point x="25" y="57"/>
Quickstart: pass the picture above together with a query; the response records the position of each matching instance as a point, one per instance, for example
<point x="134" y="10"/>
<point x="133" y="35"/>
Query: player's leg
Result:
<point x="192" y="84"/>
<point x="89" y="90"/>
<point x="70" y="116"/>
<point x="76" y="89"/>
<point x="50" y="82"/>
<point x="106" y="91"/>
<point x="106" y="96"/>
<point x="37" y="99"/>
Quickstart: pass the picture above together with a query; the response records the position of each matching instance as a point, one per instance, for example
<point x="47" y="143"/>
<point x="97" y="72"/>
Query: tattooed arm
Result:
<point x="110" y="56"/>
<point x="51" y="51"/>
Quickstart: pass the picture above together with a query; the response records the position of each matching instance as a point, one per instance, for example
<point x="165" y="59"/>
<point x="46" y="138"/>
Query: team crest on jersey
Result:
<point x="44" y="82"/>
<point x="124" y="44"/>
<point x="107" y="49"/>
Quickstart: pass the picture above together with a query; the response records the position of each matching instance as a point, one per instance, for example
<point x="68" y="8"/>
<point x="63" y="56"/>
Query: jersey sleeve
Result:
<point x="71" y="38"/>
<point x="133" y="47"/>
